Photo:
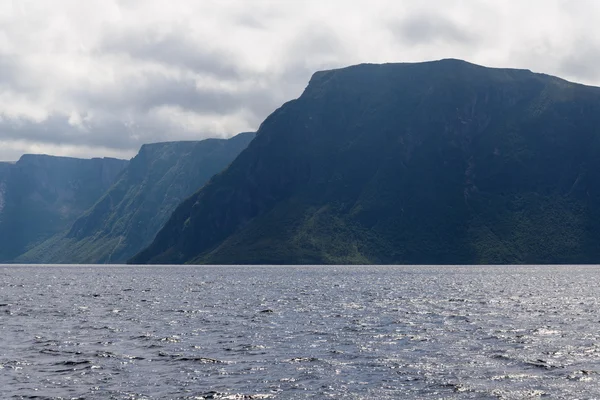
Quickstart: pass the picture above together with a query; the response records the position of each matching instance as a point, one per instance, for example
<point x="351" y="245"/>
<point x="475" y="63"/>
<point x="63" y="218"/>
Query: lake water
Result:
<point x="299" y="332"/>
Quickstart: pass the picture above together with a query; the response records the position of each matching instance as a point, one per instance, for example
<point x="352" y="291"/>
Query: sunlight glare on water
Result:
<point x="450" y="332"/>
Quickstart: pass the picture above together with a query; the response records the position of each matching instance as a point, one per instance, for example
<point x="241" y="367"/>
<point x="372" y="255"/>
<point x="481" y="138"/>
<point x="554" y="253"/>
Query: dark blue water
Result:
<point x="299" y="332"/>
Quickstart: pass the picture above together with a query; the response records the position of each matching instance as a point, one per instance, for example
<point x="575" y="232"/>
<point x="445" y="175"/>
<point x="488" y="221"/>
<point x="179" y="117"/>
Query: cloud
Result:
<point x="102" y="77"/>
<point x="175" y="49"/>
<point x="580" y="60"/>
<point x="431" y="29"/>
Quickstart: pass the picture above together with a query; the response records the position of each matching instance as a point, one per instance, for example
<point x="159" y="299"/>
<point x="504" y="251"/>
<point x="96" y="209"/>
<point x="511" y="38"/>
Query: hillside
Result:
<point x="132" y="211"/>
<point x="41" y="195"/>
<point x="441" y="162"/>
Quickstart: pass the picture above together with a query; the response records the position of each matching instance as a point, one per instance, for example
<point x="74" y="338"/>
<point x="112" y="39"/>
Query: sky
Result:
<point x="99" y="78"/>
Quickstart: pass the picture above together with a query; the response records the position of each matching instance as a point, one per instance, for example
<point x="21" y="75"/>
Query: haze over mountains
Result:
<point x="440" y="162"/>
<point x="41" y="195"/>
<point x="126" y="218"/>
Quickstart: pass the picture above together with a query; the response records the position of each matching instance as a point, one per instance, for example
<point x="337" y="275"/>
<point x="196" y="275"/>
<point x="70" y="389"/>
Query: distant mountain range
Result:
<point x="128" y="215"/>
<point x="441" y="162"/>
<point x="41" y="195"/>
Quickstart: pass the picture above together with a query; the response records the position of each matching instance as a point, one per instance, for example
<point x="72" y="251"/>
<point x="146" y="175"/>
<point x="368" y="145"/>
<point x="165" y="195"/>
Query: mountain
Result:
<point x="441" y="162"/>
<point x="128" y="216"/>
<point x="5" y="169"/>
<point x="41" y="195"/>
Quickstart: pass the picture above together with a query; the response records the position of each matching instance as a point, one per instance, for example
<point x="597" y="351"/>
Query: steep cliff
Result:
<point x="438" y="162"/>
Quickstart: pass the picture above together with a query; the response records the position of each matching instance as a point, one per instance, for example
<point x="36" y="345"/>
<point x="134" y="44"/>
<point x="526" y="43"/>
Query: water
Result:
<point x="299" y="332"/>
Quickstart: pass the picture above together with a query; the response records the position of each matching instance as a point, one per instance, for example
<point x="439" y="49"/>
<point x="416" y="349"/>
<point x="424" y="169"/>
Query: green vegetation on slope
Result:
<point x="129" y="215"/>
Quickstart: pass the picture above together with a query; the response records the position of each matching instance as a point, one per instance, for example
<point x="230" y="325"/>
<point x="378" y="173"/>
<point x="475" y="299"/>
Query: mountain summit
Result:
<point x="440" y="162"/>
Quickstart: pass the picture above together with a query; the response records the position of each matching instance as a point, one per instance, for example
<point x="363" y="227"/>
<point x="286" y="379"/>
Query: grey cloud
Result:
<point x="15" y="77"/>
<point x="8" y="70"/>
<point x="250" y="21"/>
<point x="421" y="29"/>
<point x="57" y="130"/>
<point x="154" y="90"/>
<point x="582" y="63"/>
<point x="152" y="60"/>
<point x="108" y="132"/>
<point x="172" y="49"/>
<point x="316" y="40"/>
<point x="314" y="48"/>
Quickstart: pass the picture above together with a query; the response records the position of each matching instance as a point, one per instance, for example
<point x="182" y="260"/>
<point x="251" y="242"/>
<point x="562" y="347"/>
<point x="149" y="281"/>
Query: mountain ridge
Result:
<point x="436" y="162"/>
<point x="129" y="214"/>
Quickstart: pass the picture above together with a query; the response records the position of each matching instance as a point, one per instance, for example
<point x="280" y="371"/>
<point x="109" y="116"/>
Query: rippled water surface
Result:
<point x="299" y="332"/>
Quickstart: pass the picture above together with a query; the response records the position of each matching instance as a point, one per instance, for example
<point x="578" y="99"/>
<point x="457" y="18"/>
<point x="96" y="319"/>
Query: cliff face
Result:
<point x="42" y="195"/>
<point x="128" y="216"/>
<point x="5" y="169"/>
<point x="440" y="162"/>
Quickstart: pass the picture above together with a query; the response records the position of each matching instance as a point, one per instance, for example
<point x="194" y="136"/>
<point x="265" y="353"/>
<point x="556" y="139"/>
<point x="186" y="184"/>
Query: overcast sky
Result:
<point x="101" y="77"/>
